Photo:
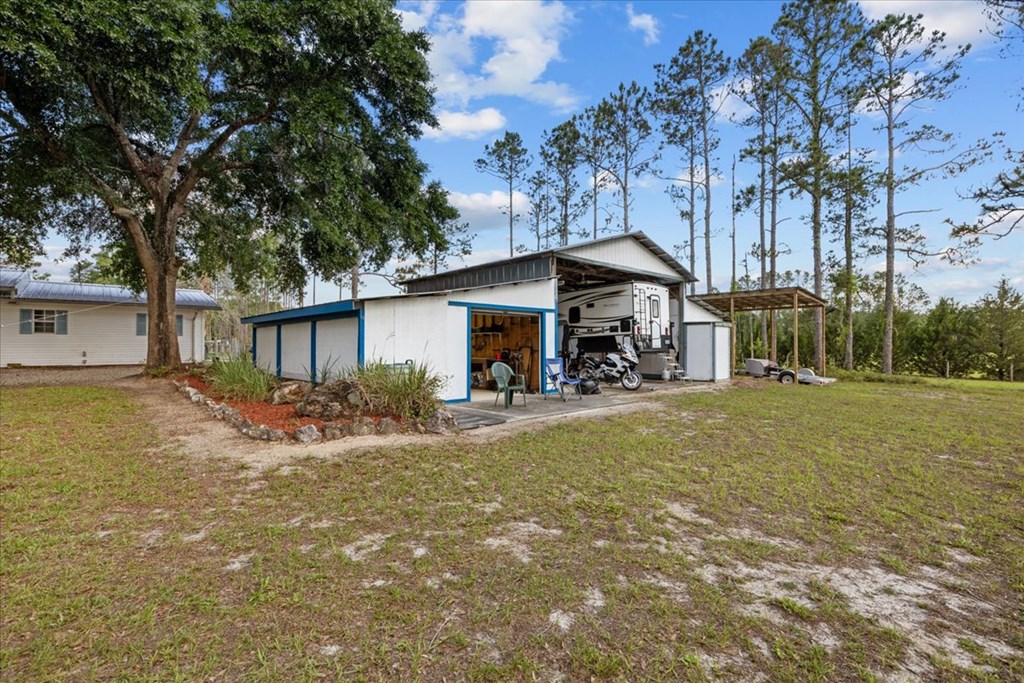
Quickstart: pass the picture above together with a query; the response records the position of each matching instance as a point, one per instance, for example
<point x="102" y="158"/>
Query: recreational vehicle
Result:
<point x="597" y="318"/>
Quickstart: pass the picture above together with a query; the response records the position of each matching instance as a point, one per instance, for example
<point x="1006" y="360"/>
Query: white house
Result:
<point x="65" y="323"/>
<point x="461" y="321"/>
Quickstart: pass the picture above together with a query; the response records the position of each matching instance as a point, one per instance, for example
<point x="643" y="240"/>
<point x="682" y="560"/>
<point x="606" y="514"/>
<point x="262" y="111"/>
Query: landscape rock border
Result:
<point x="441" y="422"/>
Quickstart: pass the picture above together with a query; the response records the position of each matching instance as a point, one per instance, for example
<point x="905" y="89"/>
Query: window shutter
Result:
<point x="140" y="324"/>
<point x="179" y="324"/>
<point x="61" y="326"/>
<point x="25" y="321"/>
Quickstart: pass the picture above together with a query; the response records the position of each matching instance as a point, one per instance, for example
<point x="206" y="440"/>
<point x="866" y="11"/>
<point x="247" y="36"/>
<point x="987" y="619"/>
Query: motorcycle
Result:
<point x="616" y="367"/>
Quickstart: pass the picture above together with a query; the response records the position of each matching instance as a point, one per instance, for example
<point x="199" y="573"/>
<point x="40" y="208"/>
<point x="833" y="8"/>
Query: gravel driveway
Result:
<point x="106" y="374"/>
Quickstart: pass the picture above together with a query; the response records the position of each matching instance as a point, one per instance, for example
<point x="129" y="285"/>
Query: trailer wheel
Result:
<point x="787" y="377"/>
<point x="632" y="380"/>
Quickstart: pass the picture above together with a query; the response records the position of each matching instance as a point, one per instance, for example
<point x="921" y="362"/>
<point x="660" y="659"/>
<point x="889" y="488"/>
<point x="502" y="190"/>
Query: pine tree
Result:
<point x="508" y="161"/>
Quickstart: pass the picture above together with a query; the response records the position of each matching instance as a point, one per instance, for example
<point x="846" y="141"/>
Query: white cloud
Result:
<point x="644" y="23"/>
<point x="484" y="210"/>
<point x="963" y="21"/>
<point x="683" y="179"/>
<point x="495" y="48"/>
<point x="466" y="125"/>
<point x="728" y="104"/>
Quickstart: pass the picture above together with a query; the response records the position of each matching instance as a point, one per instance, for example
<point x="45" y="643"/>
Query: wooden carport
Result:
<point x="778" y="299"/>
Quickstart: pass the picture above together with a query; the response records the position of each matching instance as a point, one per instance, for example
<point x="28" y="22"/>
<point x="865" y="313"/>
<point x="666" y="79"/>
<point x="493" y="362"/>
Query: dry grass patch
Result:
<point x="780" y="534"/>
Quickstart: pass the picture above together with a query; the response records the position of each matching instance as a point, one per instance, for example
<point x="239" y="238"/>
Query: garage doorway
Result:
<point x="512" y="338"/>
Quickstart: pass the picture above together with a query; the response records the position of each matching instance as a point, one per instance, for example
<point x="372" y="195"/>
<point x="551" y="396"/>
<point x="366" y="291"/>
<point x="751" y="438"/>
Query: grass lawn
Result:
<point x="852" y="532"/>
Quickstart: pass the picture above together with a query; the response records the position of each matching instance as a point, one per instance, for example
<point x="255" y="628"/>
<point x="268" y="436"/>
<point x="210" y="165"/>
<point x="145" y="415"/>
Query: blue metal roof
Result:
<point x="11" y="277"/>
<point x="44" y="290"/>
<point x="304" y="313"/>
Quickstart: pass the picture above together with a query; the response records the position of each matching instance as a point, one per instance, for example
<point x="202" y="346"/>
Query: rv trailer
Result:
<point x="598" y="318"/>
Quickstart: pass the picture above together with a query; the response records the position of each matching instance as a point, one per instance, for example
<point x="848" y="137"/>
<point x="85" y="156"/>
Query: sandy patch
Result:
<point x="238" y="563"/>
<point x="517" y="536"/>
<point x="357" y="551"/>
<point x="562" y="620"/>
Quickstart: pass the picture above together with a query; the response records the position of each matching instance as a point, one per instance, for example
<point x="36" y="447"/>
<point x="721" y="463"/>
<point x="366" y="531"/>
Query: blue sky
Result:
<point x="528" y="66"/>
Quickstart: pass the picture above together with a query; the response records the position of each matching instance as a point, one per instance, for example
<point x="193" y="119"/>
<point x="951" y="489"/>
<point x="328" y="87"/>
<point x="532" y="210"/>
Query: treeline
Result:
<point x="947" y="339"/>
<point x="806" y="84"/>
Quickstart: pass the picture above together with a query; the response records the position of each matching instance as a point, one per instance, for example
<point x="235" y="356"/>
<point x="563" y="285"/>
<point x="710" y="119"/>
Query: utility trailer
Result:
<point x="604" y="315"/>
<point x="762" y="367"/>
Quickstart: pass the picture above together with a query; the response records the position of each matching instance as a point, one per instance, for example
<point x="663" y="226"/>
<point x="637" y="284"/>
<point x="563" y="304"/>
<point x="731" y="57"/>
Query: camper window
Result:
<point x="655" y="306"/>
<point x="574" y="315"/>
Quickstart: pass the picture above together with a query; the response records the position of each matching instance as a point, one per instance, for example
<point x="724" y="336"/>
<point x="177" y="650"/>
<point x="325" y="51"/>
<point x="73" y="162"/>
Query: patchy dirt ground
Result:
<point x="850" y="533"/>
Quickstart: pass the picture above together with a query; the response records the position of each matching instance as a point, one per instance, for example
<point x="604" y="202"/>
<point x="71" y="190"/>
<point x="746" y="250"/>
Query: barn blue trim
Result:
<point x="320" y="311"/>
<point x="254" y="344"/>
<point x="278" y="361"/>
<point x="472" y="306"/>
<point x="312" y="352"/>
<point x="361" y="343"/>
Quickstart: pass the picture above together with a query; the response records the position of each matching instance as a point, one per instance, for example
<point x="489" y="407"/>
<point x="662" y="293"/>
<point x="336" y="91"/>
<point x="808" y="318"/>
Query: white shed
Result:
<point x="65" y="323"/>
<point x="443" y="329"/>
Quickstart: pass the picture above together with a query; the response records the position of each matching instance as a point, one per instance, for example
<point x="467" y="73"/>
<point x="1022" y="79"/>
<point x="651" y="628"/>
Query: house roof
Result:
<point x="74" y="292"/>
<point x="538" y="265"/>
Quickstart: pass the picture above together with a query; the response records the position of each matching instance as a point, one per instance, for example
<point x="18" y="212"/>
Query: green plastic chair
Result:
<point x="508" y="383"/>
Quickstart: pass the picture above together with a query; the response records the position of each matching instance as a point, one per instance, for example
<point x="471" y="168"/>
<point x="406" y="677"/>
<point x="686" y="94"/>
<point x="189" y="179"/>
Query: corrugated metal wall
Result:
<point x="498" y="274"/>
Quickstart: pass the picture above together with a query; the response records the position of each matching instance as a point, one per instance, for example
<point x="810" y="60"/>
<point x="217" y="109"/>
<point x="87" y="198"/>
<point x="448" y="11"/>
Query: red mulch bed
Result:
<point x="281" y="417"/>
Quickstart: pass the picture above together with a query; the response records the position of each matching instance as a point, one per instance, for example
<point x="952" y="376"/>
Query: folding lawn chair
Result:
<point x="555" y="369"/>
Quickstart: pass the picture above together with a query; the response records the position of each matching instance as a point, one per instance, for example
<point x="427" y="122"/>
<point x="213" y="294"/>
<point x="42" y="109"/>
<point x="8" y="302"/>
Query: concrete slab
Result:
<point x="481" y="409"/>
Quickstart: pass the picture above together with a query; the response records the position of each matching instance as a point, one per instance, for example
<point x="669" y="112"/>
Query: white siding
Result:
<point x="626" y="252"/>
<point x="723" y="349"/>
<point x="698" y="352"/>
<point x="537" y="294"/>
<point x="337" y="344"/>
<point x="296" y="346"/>
<point x="692" y="313"/>
<point x="97" y="335"/>
<point x="457" y="367"/>
<point x="266" y="348"/>
<point x="400" y="329"/>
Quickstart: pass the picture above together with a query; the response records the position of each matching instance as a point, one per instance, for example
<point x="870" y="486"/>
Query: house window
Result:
<point x="44" y="321"/>
<point x="142" y="328"/>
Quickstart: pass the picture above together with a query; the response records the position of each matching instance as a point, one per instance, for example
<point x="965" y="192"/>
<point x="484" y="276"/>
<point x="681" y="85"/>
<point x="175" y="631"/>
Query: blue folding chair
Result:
<point x="555" y="369"/>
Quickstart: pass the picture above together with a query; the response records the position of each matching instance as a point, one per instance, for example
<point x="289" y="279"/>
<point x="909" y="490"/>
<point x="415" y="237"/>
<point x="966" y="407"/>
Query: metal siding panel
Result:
<point x="295" y="350"/>
<point x="337" y="343"/>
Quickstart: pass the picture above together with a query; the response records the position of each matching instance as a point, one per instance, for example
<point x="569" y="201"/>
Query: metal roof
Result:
<point x="762" y="299"/>
<point x="304" y="313"/>
<point x="538" y="265"/>
<point x="12" y="277"/>
<point x="44" y="290"/>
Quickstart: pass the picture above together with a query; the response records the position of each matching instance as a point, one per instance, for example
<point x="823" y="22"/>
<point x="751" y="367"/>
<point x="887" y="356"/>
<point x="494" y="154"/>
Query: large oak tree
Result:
<point x="213" y="134"/>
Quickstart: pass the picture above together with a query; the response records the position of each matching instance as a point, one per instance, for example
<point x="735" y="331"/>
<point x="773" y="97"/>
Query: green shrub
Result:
<point x="238" y="378"/>
<point x="408" y="391"/>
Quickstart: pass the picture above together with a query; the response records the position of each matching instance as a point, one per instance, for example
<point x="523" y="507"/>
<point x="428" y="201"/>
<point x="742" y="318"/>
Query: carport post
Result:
<point x="821" y="342"/>
<point x="796" y="336"/>
<point x="732" y="336"/>
<point x="772" y="347"/>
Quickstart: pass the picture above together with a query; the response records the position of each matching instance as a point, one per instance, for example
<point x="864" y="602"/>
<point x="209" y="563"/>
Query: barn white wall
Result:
<point x="536" y="294"/>
<point x="266" y="348"/>
<point x="456" y="370"/>
<point x="723" y="350"/>
<point x="296" y="347"/>
<point x="337" y="343"/>
<point x="692" y="313"/>
<point x="623" y="252"/>
<point x="698" y="352"/>
<point x="105" y="334"/>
